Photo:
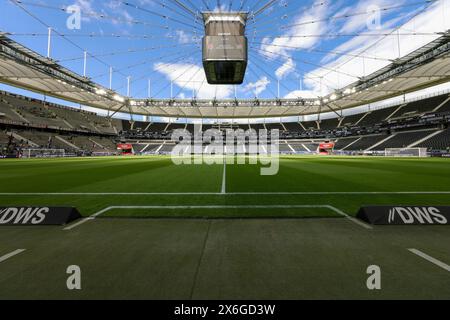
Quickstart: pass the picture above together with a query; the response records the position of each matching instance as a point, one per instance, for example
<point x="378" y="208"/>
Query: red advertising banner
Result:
<point x="124" y="146"/>
<point x="326" y="146"/>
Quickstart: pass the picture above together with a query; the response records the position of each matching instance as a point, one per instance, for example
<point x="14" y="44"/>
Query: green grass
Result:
<point x="262" y="258"/>
<point x="224" y="259"/>
<point x="221" y="213"/>
<point x="203" y="183"/>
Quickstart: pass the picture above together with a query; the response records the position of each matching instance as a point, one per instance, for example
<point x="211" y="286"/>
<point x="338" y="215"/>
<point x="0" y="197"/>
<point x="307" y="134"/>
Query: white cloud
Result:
<point x="191" y="78"/>
<point x="257" y="87"/>
<point x="284" y="47"/>
<point x="430" y="21"/>
<point x="86" y="9"/>
<point x="299" y="26"/>
<point x="183" y="37"/>
<point x="113" y="8"/>
<point x="371" y="18"/>
<point x="287" y="68"/>
<point x="305" y="94"/>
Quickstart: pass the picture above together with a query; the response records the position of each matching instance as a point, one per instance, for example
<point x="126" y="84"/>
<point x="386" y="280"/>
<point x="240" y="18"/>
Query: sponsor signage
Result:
<point x="326" y="146"/>
<point x="405" y="215"/>
<point x="35" y="216"/>
<point x="124" y="146"/>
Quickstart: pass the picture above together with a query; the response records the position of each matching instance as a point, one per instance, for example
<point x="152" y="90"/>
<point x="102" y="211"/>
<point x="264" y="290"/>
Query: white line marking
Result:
<point x="224" y="177"/>
<point x="354" y="220"/>
<point x="336" y="210"/>
<point x="10" y="255"/>
<point x="76" y="224"/>
<point x="430" y="259"/>
<point x="342" y="193"/>
<point x="226" y="194"/>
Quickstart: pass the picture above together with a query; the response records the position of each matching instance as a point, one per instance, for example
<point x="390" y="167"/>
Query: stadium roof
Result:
<point x="26" y="69"/>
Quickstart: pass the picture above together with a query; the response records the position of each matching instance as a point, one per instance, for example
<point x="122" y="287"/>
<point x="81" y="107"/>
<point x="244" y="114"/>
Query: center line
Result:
<point x="224" y="177"/>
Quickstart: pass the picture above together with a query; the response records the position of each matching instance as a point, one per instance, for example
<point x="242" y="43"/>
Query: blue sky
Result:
<point x="316" y="46"/>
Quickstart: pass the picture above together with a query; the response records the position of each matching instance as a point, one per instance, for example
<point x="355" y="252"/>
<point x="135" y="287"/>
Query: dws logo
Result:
<point x="413" y="215"/>
<point x="23" y="215"/>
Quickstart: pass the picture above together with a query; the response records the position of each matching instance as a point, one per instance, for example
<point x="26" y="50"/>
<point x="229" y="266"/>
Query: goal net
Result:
<point x="406" y="152"/>
<point x="43" y="153"/>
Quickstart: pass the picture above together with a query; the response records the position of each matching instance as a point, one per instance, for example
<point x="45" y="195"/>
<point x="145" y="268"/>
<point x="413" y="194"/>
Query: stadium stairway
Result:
<point x="381" y="142"/>
<point x="285" y="148"/>
<point x="352" y="143"/>
<point x="396" y="111"/>
<point x="41" y="139"/>
<point x="343" y="143"/>
<point x="298" y="147"/>
<point x="329" y="124"/>
<point x="403" y="139"/>
<point x="21" y="138"/>
<point x="71" y="145"/>
<point x="435" y="133"/>
<point x="351" y="120"/>
<point x="443" y="105"/>
<point x="365" y="142"/>
<point x="69" y="125"/>
<point x="422" y="106"/>
<point x="375" y="116"/>
<point x="290" y="147"/>
<point x="145" y="148"/>
<point x="440" y="141"/>
<point x="10" y="112"/>
<point x="362" y="118"/>
<point x="98" y="144"/>
<point x="294" y="127"/>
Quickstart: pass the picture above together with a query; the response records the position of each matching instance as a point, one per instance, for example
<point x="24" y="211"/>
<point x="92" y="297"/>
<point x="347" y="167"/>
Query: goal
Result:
<point x="406" y="152"/>
<point x="44" y="153"/>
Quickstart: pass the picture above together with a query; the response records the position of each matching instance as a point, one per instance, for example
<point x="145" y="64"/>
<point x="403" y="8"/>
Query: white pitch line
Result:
<point x="226" y="194"/>
<point x="11" y="254"/>
<point x="112" y="194"/>
<point x="336" y="210"/>
<point x="281" y="206"/>
<point x="342" y="193"/>
<point x="78" y="223"/>
<point x="224" y="178"/>
<point x="82" y="221"/>
<point x="430" y="259"/>
<point x="354" y="220"/>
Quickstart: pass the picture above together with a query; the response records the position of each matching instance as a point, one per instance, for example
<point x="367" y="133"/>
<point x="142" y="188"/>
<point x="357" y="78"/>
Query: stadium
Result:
<point x="224" y="150"/>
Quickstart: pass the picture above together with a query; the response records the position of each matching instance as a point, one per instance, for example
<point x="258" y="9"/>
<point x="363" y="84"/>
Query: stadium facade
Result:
<point x="29" y="125"/>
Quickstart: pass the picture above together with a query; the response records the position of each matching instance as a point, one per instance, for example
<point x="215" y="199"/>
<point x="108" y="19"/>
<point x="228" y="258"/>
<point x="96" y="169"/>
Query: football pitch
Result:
<point x="154" y="230"/>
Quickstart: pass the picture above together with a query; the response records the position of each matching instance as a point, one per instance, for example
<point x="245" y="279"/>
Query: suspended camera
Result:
<point x="225" y="47"/>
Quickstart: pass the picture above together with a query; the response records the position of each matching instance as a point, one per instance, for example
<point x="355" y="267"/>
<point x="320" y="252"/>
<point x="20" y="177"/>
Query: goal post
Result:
<point x="44" y="153"/>
<point x="406" y="152"/>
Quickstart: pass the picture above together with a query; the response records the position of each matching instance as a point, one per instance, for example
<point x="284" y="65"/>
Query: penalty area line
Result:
<point x="334" y="209"/>
<point x="224" y="194"/>
<point x="354" y="220"/>
<point x="430" y="259"/>
<point x="11" y="254"/>
<point x="84" y="220"/>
